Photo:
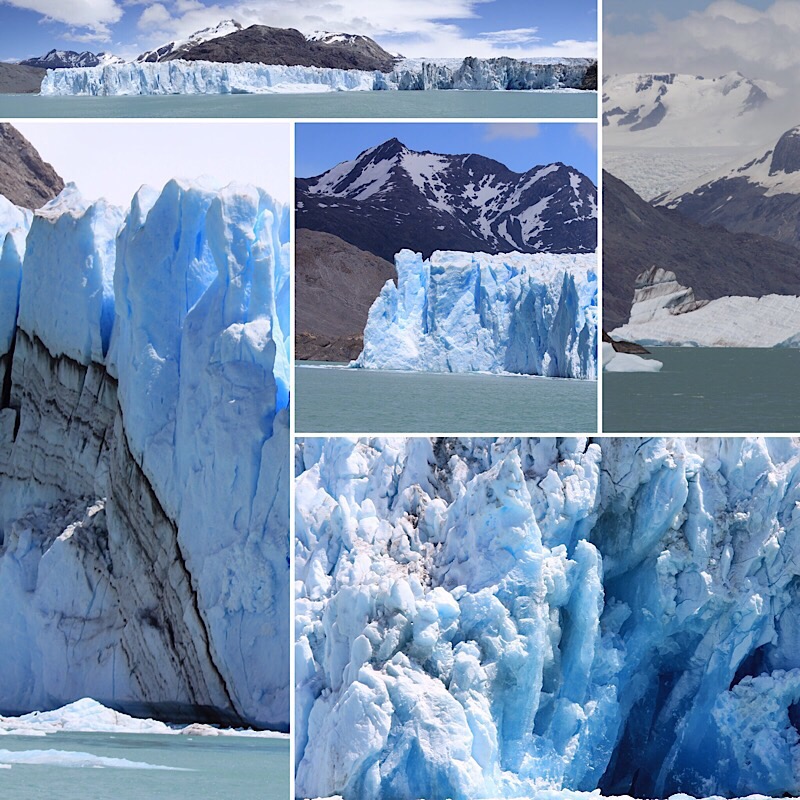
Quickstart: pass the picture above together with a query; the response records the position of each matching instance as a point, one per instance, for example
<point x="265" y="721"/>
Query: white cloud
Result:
<point x="96" y="15"/>
<point x="586" y="131"/>
<point x="154" y="16"/>
<point x="726" y="36"/>
<point x="513" y="36"/>
<point x="511" y="130"/>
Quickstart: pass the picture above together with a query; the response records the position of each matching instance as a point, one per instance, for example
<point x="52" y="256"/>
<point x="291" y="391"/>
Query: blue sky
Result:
<point x="520" y="146"/>
<point x="413" y="27"/>
<point x="757" y="38"/>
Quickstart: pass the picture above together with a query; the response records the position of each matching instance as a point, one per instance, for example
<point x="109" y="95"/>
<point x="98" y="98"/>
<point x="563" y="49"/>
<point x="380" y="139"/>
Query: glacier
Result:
<point x="144" y="444"/>
<point x="664" y="312"/>
<point x="545" y="618"/>
<point x="208" y="77"/>
<point x="531" y="314"/>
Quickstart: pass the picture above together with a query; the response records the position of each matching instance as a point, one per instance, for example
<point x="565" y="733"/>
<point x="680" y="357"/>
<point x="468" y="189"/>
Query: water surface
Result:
<point x="226" y="767"/>
<point x="423" y="105"/>
<point x="707" y="390"/>
<point x="334" y="399"/>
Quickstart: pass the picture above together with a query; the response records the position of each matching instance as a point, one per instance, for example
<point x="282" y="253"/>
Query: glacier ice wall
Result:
<point x="144" y="456"/>
<point x="207" y="77"/>
<point x="495" y="618"/>
<point x="462" y="312"/>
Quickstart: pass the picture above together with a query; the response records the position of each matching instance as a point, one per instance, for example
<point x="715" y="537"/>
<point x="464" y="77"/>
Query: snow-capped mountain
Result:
<point x="673" y="110"/>
<point x="175" y="48"/>
<point x="759" y="195"/>
<point x="66" y="59"/>
<point x="713" y="261"/>
<point x="390" y="197"/>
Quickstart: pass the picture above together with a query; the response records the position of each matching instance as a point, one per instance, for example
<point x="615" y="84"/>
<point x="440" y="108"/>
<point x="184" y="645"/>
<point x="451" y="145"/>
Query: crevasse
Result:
<point x="540" y="617"/>
<point x="143" y="456"/>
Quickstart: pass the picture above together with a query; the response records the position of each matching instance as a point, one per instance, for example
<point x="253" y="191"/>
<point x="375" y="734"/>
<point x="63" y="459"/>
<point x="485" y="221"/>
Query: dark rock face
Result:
<point x="713" y="261"/>
<point x="260" y="44"/>
<point x="621" y="346"/>
<point x="590" y="78"/>
<point x="17" y="79"/>
<point x="335" y="285"/>
<point x="786" y="156"/>
<point x="390" y="198"/>
<point x="25" y="179"/>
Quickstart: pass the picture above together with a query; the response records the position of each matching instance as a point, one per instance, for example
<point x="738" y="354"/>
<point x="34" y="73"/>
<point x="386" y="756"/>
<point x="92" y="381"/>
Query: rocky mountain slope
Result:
<point x="25" y="179"/>
<point x="66" y="59"/>
<point x="175" y="48"/>
<point x="15" y="79"/>
<point x="261" y="44"/>
<point x="713" y="261"/>
<point x="390" y="197"/>
<point x="335" y="285"/>
<point x="760" y="195"/>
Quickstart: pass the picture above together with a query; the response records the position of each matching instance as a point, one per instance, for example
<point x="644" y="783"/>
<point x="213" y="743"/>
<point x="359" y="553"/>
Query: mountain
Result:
<point x="16" y="79"/>
<point x="759" y="195"/>
<point x="671" y="110"/>
<point x="335" y="285"/>
<point x="65" y="59"/>
<point x="174" y="49"/>
<point x="713" y="261"/>
<point x="25" y="179"/>
<point x="260" y="44"/>
<point x="390" y="197"/>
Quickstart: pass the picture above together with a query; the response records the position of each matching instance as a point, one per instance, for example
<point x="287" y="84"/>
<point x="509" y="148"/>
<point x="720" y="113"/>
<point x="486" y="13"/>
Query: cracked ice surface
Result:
<point x="465" y="312"/>
<point x="526" y="618"/>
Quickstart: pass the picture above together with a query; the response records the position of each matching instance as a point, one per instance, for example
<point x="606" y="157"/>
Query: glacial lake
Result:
<point x="333" y="399"/>
<point x="73" y="767"/>
<point x="423" y="105"/>
<point x="707" y="390"/>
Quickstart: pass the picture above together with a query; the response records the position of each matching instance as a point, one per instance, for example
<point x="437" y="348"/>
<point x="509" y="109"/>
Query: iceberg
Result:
<point x="666" y="313"/>
<point x="144" y="437"/>
<point x="531" y="617"/>
<point x="211" y="77"/>
<point x="531" y="314"/>
<point x="627" y="362"/>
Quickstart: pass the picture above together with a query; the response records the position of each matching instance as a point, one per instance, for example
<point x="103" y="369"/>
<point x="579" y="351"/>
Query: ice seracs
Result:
<point x="143" y="458"/>
<point x="666" y="313"/>
<point x="542" y="617"/>
<point x="152" y="76"/>
<point x="467" y="312"/>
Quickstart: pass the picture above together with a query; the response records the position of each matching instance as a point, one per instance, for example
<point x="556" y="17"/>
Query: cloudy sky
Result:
<point x="412" y="27"/>
<point x="113" y="159"/>
<point x="520" y="146"/>
<point x="759" y="38"/>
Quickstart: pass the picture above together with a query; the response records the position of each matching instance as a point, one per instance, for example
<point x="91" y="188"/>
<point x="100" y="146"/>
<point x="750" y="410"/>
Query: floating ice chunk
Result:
<point x="627" y="362"/>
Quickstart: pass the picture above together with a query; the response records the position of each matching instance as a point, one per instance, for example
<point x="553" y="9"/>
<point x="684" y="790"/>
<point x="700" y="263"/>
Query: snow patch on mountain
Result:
<point x="222" y="28"/>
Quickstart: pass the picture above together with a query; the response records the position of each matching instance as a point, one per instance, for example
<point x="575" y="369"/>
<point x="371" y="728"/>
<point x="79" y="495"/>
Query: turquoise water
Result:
<point x="424" y="105"/>
<point x="231" y="768"/>
<point x="340" y="400"/>
<point x="707" y="390"/>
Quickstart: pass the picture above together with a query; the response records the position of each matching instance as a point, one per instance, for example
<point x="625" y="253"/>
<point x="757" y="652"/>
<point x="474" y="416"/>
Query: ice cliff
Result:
<point x="515" y="617"/>
<point x="464" y="312"/>
<point x="666" y="313"/>
<point x="144" y="455"/>
<point x="208" y="77"/>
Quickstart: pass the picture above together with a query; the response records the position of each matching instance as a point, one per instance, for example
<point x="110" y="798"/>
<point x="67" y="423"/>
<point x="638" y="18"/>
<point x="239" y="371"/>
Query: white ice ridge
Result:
<point x="76" y="760"/>
<point x="666" y="313"/>
<point x="208" y="77"/>
<point x="531" y="314"/>
<point x="484" y="618"/>
<point x="144" y="457"/>
<point x="87" y="715"/>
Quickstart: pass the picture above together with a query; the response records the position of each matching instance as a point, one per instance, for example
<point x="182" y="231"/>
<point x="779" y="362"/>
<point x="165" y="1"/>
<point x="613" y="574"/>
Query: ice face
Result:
<point x="500" y="618"/>
<point x="464" y="312"/>
<point x="206" y="77"/>
<point x="143" y="452"/>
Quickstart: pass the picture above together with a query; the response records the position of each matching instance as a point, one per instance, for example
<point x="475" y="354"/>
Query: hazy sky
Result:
<point x="757" y="38"/>
<point x="113" y="159"/>
<point x="412" y="27"/>
<point x="520" y="146"/>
